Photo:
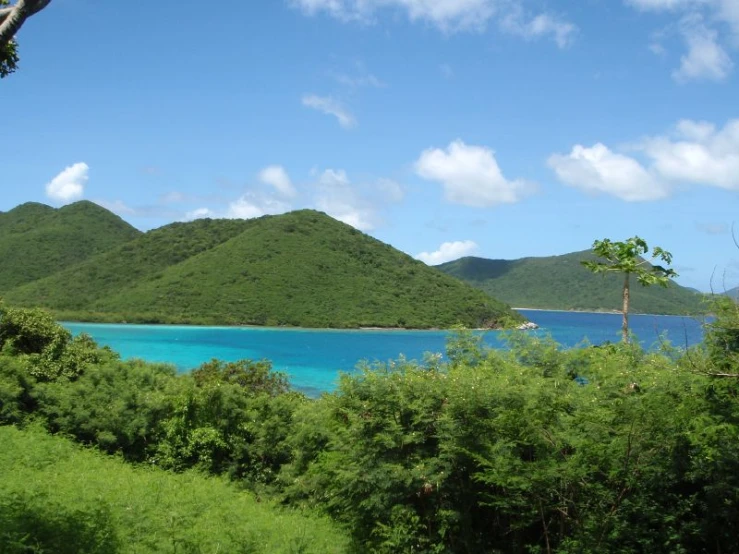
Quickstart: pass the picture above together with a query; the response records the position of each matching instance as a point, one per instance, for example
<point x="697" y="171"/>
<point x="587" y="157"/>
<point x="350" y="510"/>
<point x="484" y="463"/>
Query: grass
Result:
<point x="57" y="497"/>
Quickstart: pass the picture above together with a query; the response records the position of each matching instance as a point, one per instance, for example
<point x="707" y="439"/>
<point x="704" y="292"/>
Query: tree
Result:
<point x="12" y="19"/>
<point x="627" y="257"/>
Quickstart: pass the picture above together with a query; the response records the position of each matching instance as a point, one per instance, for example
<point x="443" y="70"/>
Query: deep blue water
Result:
<point x="313" y="358"/>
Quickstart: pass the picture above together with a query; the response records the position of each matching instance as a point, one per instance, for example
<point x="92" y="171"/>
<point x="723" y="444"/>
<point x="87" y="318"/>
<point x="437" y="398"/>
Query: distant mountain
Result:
<point x="302" y="269"/>
<point x="562" y="283"/>
<point x="37" y="240"/>
<point x="733" y="293"/>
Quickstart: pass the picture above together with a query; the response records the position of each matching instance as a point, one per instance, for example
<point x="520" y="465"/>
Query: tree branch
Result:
<point x="13" y="18"/>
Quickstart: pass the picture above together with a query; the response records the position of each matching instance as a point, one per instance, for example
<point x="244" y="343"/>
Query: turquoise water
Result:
<point x="313" y="358"/>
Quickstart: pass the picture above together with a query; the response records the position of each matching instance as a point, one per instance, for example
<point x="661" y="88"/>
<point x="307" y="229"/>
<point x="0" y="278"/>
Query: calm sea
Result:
<point x="313" y="358"/>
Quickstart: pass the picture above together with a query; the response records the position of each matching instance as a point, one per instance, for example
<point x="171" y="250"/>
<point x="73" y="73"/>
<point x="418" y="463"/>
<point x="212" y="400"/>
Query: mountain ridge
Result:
<point x="562" y="283"/>
<point x="302" y="269"/>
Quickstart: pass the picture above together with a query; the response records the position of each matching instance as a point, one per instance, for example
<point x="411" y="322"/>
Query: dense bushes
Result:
<point x="538" y="449"/>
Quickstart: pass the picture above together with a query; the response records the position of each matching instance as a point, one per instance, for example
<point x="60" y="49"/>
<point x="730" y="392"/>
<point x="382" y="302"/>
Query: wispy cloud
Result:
<point x="450" y="16"/>
<point x="330" y="106"/>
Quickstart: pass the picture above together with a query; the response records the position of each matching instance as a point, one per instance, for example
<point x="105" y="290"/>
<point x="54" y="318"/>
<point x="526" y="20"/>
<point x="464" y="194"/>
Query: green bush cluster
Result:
<point x="537" y="449"/>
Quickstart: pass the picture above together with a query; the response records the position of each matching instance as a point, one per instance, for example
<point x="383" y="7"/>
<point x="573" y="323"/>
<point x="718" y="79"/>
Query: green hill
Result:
<point x="562" y="283"/>
<point x="301" y="269"/>
<point x="733" y="293"/>
<point x="37" y="240"/>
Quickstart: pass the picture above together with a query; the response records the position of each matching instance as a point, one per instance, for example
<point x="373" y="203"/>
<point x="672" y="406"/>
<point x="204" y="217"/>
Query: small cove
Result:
<point x="313" y="358"/>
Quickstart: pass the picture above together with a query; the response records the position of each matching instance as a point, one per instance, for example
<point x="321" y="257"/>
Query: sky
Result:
<point x="446" y="128"/>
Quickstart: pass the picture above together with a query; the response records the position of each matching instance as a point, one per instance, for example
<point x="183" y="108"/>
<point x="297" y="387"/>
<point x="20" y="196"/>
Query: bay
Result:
<point x="313" y="358"/>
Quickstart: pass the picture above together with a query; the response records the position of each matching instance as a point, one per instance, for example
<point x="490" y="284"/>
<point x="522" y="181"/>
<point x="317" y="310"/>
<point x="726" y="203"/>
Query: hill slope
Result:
<point x="302" y="268"/>
<point x="37" y="240"/>
<point x="562" y="283"/>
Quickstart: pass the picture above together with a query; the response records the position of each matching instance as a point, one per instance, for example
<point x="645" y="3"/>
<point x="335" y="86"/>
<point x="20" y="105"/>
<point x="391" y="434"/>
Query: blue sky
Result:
<point x="497" y="128"/>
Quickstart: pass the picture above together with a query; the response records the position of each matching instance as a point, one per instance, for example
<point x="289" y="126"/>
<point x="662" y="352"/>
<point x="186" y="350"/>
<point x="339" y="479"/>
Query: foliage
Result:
<point x="47" y="348"/>
<point x="298" y="269"/>
<point x="509" y="453"/>
<point x="230" y="418"/>
<point x="625" y="259"/>
<point x="535" y="449"/>
<point x="37" y="240"/>
<point x="55" y="497"/>
<point x="722" y="336"/>
<point x="559" y="283"/>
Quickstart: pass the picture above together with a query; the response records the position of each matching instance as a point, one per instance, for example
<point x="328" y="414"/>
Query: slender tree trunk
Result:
<point x="625" y="325"/>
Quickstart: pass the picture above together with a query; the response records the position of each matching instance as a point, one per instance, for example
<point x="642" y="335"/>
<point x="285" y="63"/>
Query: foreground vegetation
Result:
<point x="538" y="449"/>
<point x="58" y="498"/>
<point x="559" y="283"/>
<point x="299" y="269"/>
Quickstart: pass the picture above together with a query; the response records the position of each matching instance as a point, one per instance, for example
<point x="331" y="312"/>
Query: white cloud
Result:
<point x="539" y="26"/>
<point x="598" y="170"/>
<point x="448" y="251"/>
<point x="470" y="175"/>
<point x="69" y="185"/>
<point x="449" y="16"/>
<point x="705" y="59"/>
<point x="329" y="106"/>
<point x="199" y="213"/>
<point x="277" y="177"/>
<point x="339" y="199"/>
<point x="251" y="205"/>
<point x="695" y="152"/>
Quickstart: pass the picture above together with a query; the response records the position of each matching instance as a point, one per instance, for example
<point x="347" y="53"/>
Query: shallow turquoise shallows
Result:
<point x="314" y="358"/>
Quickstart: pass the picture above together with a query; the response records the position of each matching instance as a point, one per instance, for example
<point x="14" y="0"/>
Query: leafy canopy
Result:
<point x="627" y="257"/>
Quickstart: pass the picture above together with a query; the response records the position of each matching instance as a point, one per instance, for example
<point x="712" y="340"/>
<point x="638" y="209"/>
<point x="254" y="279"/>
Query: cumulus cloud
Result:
<point x="449" y="16"/>
<point x="277" y="177"/>
<point x="694" y="152"/>
<point x="330" y="106"/>
<point x="599" y="170"/>
<point x="340" y="199"/>
<point x="448" y="251"/>
<point x="69" y="185"/>
<point x="470" y="175"/>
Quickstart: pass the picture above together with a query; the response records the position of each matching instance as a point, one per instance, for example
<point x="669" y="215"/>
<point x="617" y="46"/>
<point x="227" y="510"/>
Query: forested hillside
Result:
<point x="562" y="283"/>
<point x="37" y="240"/>
<point x="302" y="268"/>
